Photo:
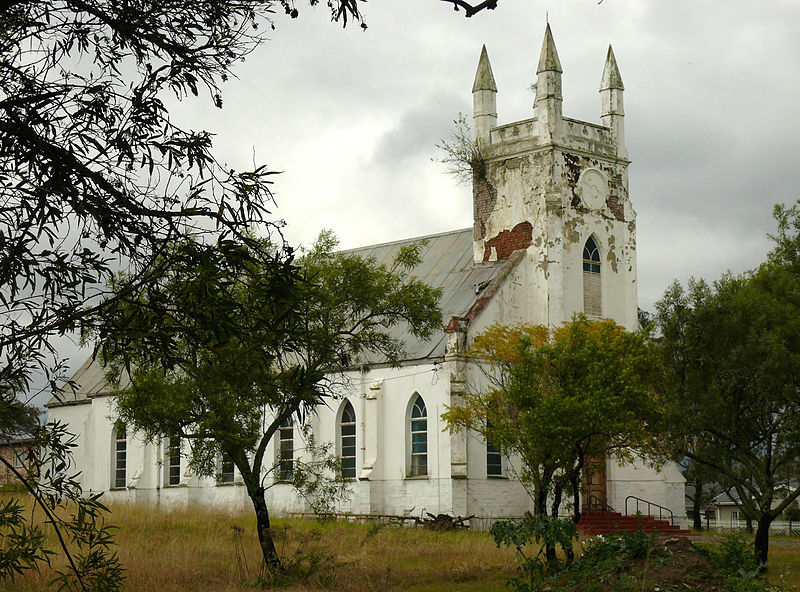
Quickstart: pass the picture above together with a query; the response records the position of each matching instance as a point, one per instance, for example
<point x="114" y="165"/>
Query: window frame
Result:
<point x="19" y="458"/>
<point x="284" y="451"/>
<point x="592" y="278"/>
<point x="120" y="466"/>
<point x="348" y="441"/>
<point x="172" y="458"/>
<point x="227" y="470"/>
<point x="493" y="453"/>
<point x="418" y="415"/>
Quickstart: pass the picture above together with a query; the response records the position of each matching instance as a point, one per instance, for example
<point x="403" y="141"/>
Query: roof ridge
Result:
<point x="405" y="240"/>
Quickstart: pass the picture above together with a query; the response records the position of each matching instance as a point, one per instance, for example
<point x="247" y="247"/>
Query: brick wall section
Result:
<point x="616" y="208"/>
<point x="509" y="241"/>
<point x="484" y="196"/>
<point x="7" y="452"/>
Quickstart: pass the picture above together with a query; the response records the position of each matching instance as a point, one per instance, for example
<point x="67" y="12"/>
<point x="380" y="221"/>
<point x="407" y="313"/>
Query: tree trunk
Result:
<point x="558" y="490"/>
<point x="271" y="559"/>
<point x="762" y="538"/>
<point x="575" y="479"/>
<point x="696" y="505"/>
<point x="749" y="523"/>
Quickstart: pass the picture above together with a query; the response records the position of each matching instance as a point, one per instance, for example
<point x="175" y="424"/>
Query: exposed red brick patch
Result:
<point x="457" y="324"/>
<point x="509" y="241"/>
<point x="484" y="196"/>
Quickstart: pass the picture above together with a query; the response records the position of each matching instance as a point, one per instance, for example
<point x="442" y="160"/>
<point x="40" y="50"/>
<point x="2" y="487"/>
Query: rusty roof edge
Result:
<point x="494" y="285"/>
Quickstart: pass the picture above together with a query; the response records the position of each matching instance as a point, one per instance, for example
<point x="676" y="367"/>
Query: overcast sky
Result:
<point x="712" y="104"/>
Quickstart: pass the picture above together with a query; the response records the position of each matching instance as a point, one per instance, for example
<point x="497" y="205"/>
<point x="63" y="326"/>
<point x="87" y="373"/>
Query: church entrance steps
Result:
<point x="595" y="522"/>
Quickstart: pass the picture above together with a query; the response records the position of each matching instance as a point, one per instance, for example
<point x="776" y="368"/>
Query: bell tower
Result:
<point x="558" y="188"/>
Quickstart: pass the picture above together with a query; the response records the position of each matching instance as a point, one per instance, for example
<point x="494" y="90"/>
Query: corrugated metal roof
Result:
<point x="446" y="263"/>
<point x="88" y="381"/>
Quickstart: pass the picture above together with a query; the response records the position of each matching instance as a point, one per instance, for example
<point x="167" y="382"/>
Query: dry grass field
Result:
<point x="196" y="549"/>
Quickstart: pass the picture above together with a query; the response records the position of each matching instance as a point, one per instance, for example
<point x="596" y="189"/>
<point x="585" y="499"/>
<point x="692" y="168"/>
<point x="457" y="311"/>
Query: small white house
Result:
<point x="554" y="234"/>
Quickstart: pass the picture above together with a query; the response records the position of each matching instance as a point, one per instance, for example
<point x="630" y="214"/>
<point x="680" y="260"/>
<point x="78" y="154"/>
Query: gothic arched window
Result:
<point x="347" y="441"/>
<point x="591" y="279"/>
<point x="418" y="426"/>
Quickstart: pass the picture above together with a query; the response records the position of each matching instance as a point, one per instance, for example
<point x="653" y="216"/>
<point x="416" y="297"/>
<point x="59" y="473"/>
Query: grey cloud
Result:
<point x="419" y="129"/>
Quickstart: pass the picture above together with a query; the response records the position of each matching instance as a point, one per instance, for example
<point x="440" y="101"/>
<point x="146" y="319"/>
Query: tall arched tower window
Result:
<point x="347" y="441"/>
<point x="120" y="455"/>
<point x="419" y="437"/>
<point x="591" y="279"/>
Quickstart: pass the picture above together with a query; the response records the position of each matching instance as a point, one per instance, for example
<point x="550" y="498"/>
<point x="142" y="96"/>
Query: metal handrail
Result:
<point x="603" y="505"/>
<point x="661" y="509"/>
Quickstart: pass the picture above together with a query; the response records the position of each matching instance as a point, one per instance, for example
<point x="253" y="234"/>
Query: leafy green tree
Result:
<point x="732" y="349"/>
<point x="96" y="176"/>
<point x="557" y="398"/>
<point x="298" y="327"/>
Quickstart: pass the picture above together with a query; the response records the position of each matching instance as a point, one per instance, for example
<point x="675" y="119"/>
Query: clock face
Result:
<point x="593" y="189"/>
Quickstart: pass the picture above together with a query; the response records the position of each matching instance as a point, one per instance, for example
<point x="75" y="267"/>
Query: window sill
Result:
<point x="417" y="477"/>
<point x="222" y="484"/>
<point x="118" y="489"/>
<point x="502" y="477"/>
<point x="284" y="482"/>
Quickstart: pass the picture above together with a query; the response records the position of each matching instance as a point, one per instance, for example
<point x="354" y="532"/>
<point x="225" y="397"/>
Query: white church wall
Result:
<point x="664" y="487"/>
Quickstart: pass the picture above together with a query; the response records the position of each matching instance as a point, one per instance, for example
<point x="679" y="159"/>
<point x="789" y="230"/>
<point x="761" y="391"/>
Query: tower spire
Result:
<point x="547" y="105"/>
<point x="548" y="58"/>
<point x="484" y="100"/>
<point x="611" y="76"/>
<point x="612" y="113"/>
<point x="484" y="79"/>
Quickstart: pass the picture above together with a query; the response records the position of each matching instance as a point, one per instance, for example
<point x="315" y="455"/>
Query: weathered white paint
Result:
<point x="535" y="168"/>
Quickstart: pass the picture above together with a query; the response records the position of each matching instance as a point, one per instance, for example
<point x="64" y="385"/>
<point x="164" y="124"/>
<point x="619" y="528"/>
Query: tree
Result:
<point x="705" y="488"/>
<point x="299" y="327"/>
<point x="94" y="174"/>
<point x="731" y="350"/>
<point x="558" y="398"/>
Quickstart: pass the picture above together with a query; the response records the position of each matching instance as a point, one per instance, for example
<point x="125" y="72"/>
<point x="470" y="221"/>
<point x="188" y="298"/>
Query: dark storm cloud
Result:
<point x="419" y="129"/>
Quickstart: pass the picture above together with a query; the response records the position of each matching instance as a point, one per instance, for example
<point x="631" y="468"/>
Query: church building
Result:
<point x="554" y="234"/>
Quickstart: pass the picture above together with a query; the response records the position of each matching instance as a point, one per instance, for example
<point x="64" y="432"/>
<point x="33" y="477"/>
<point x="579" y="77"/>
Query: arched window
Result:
<point x="286" y="450"/>
<point x="419" y="438"/>
<point x="591" y="279"/>
<point x="120" y="455"/>
<point x="173" y="460"/>
<point x="347" y="441"/>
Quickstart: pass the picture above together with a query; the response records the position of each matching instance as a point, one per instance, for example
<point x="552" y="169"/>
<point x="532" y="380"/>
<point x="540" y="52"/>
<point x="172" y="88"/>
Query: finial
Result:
<point x="484" y="79"/>
<point x="548" y="59"/>
<point x="611" y="76"/>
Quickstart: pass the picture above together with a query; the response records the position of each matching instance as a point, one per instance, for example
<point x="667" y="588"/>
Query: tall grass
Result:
<point x="213" y="550"/>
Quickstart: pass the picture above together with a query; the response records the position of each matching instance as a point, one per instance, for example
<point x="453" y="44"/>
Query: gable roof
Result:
<point x="447" y="263"/>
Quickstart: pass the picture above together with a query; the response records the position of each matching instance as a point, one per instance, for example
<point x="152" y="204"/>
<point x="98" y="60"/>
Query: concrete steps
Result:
<point x="609" y="522"/>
